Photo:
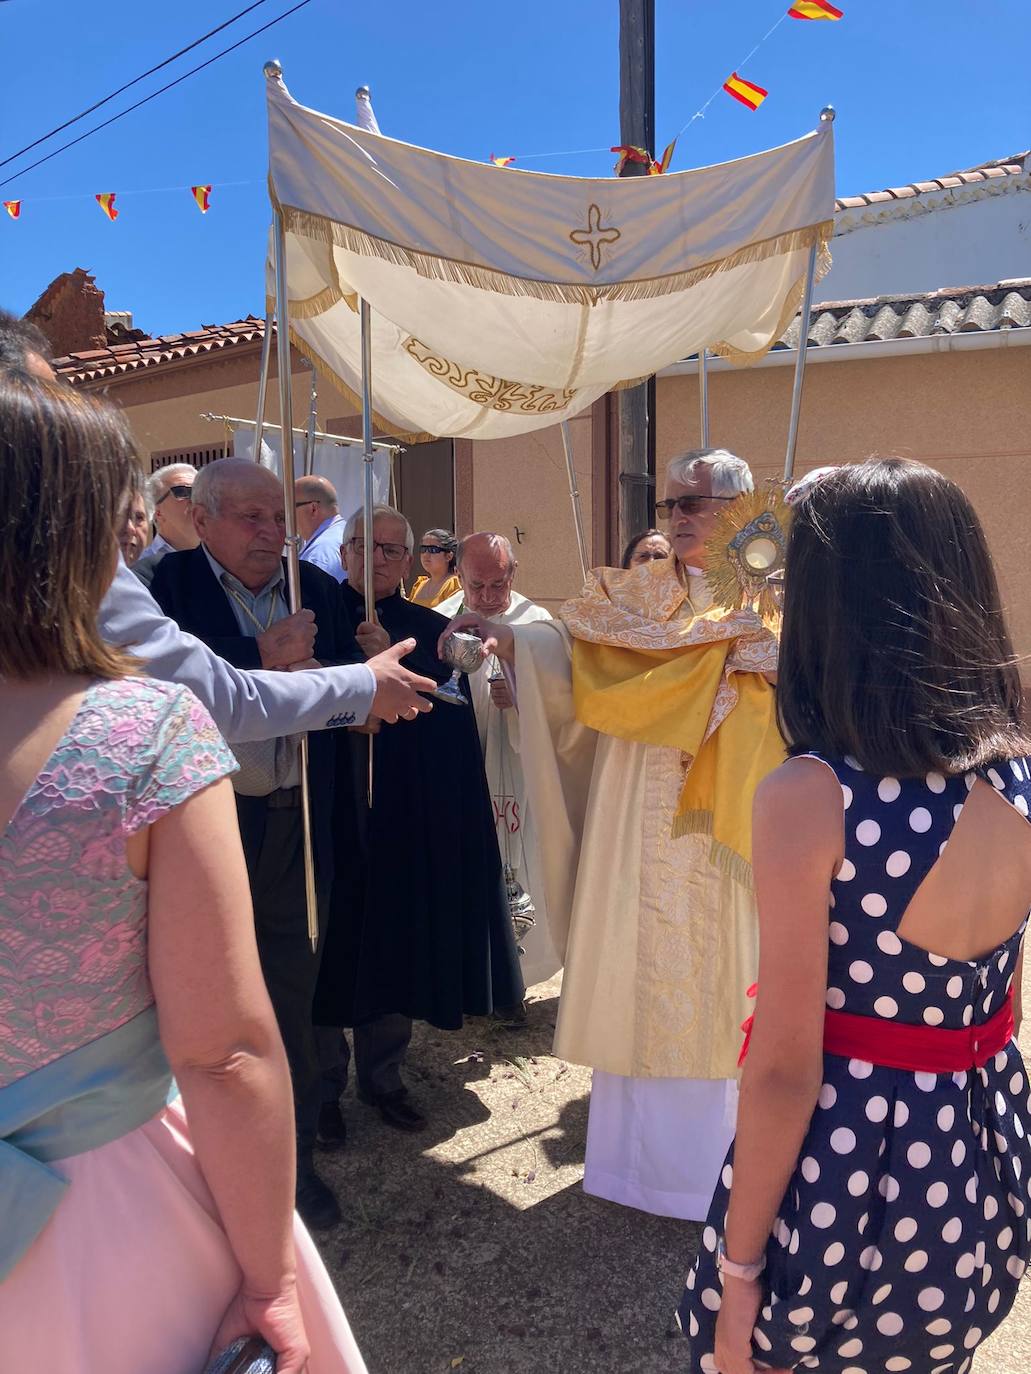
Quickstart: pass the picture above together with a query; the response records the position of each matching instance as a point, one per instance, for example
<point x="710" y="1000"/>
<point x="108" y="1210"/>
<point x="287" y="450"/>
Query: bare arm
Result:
<point x="797" y="848"/>
<point x="219" y="1032"/>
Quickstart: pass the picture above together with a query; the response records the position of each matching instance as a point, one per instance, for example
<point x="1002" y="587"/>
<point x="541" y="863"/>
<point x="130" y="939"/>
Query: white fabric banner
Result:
<point x="504" y="301"/>
<point x="341" y="464"/>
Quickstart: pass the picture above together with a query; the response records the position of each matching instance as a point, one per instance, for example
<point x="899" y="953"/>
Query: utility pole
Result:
<point x="636" y="129"/>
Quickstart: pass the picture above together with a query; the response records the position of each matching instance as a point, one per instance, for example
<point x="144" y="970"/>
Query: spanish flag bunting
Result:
<point x="500" y="161"/>
<point x="202" y="195"/>
<point x="814" y="9"/>
<point x="13" y="208"/>
<point x="629" y="152"/>
<point x="746" y="91"/>
<point x="657" y="168"/>
<point x="106" y="201"/>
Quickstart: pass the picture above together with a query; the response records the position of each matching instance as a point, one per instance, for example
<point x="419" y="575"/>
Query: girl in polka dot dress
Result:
<point x="874" y="1212"/>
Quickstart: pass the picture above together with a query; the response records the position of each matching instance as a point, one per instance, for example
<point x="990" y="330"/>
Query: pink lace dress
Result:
<point x="133" y="1271"/>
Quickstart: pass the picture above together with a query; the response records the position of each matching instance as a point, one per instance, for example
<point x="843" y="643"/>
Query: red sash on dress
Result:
<point x="920" y="1049"/>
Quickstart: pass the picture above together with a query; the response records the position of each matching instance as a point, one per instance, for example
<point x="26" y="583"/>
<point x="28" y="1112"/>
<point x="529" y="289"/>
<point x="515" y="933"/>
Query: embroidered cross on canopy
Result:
<point x="504" y="301"/>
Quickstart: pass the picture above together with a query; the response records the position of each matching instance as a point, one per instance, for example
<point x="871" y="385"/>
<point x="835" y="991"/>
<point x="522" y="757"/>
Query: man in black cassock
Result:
<point x="419" y="927"/>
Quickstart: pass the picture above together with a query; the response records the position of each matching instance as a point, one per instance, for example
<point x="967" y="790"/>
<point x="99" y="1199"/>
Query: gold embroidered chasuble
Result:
<point x="659" y="932"/>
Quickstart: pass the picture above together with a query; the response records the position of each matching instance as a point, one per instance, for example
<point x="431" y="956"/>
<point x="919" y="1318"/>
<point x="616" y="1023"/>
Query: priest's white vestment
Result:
<point x="661" y="943"/>
<point x="517" y="836"/>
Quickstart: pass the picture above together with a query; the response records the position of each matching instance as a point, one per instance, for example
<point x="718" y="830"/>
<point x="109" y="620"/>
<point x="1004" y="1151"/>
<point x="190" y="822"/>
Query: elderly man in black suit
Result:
<point x="231" y="593"/>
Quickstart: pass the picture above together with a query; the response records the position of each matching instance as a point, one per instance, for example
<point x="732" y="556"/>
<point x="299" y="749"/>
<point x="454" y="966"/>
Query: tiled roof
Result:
<point x="135" y="354"/>
<point x="973" y="176"/>
<point x="953" y="310"/>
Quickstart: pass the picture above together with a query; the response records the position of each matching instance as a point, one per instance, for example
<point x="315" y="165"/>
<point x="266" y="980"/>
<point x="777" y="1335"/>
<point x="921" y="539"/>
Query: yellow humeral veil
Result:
<point x="649" y="721"/>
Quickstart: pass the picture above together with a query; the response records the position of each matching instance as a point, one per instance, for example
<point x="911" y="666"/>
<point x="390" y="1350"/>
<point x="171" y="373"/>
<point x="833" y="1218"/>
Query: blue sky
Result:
<point x="921" y="87"/>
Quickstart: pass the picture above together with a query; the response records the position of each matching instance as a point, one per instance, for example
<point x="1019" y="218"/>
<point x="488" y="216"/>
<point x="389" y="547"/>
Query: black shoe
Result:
<point x="396" y="1110"/>
<point x="315" y="1202"/>
<point x="331" y="1132"/>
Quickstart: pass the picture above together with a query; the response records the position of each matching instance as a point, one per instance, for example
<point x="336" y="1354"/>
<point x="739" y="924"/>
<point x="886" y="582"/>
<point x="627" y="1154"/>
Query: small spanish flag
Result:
<point x="13" y="208"/>
<point x="657" y="168"/>
<point x="814" y="9"/>
<point x="202" y="195"/>
<point x="500" y="161"/>
<point x="746" y="91"/>
<point x="106" y="201"/>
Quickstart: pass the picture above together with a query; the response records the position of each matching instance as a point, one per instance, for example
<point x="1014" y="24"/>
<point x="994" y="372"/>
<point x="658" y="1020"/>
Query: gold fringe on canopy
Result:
<point x="324" y="230"/>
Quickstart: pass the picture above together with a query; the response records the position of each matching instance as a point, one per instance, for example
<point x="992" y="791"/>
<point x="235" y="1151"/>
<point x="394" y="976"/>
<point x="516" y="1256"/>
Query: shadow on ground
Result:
<point x="472" y="1246"/>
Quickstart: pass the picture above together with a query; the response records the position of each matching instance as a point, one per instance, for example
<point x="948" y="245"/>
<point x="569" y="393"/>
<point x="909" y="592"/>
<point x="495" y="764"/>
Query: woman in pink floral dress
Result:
<point x="129" y="1241"/>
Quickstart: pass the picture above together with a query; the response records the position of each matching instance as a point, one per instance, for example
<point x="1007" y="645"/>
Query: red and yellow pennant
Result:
<point x="13" y="208"/>
<point x="747" y="92"/>
<point x="202" y="195"/>
<point x="629" y="152"/>
<point x="814" y="9"/>
<point x="106" y="201"/>
<point x="501" y="161"/>
<point x="658" y="168"/>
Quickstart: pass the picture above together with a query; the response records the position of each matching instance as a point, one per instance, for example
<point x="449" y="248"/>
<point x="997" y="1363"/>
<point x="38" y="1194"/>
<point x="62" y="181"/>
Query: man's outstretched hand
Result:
<point x="397" y="688"/>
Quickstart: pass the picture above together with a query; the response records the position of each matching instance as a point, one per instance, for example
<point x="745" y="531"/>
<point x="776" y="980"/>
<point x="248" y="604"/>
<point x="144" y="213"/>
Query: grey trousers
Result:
<point x="380" y="1047"/>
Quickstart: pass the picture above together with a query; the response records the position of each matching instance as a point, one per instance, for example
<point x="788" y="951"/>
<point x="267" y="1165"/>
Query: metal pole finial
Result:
<point x="363" y="93"/>
<point x="828" y="114"/>
<point x="273" y="68"/>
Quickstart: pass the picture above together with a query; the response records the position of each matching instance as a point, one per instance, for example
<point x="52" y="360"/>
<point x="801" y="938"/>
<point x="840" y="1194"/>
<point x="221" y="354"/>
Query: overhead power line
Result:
<point x="60" y="128"/>
<point x="154" y="94"/>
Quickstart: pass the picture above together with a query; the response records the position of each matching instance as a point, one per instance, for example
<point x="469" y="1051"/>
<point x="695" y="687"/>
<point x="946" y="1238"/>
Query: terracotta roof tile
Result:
<point x="1016" y="165"/>
<point x="124" y="357"/>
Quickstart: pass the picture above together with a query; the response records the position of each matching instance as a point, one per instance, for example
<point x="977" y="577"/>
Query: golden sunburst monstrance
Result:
<point x="744" y="555"/>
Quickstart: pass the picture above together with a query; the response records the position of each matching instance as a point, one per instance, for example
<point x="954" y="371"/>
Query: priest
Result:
<point x="646" y="720"/>
<point x="487" y="566"/>
<point x="419" y="927"/>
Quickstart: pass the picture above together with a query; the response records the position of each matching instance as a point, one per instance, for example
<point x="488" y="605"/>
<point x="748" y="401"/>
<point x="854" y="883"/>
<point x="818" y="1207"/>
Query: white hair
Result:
<point x="213" y="480"/>
<point x="355" y="521"/>
<point x="159" y="482"/>
<point x="729" y="474"/>
<point x="497" y="543"/>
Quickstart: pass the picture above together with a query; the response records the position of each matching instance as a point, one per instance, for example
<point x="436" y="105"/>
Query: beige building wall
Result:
<point x="965" y="413"/>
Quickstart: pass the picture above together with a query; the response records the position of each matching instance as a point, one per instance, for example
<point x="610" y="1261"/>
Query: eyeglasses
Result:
<point x="180" y="491"/>
<point x="393" y="553"/>
<point x="433" y="548"/>
<point x="686" y="505"/>
<point x="312" y="501"/>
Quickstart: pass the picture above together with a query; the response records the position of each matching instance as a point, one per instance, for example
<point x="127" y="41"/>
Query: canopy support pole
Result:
<point x="703" y="396"/>
<point x="574" y="497"/>
<point x="368" y="456"/>
<point x="803" y="348"/>
<point x="293" y="565"/>
<point x="263" y="371"/>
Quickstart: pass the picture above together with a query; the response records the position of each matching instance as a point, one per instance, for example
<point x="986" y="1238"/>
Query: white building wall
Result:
<point x="970" y="237"/>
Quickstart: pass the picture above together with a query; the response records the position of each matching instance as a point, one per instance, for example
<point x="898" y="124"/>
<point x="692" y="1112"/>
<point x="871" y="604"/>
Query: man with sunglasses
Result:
<point x="169" y="491"/>
<point x="639" y="769"/>
<point x="319" y="523"/>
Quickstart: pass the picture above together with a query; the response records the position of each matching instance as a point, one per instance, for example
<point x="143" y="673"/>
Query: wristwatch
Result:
<point x="726" y="1266"/>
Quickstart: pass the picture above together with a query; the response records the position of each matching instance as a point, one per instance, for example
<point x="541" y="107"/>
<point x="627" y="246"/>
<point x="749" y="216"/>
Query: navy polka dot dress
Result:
<point x="906" y="1226"/>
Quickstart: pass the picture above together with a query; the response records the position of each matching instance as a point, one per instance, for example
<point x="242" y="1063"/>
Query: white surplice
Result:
<point x="517" y="836"/>
<point x="659" y="949"/>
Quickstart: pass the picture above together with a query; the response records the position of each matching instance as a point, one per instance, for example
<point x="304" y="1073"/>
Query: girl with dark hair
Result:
<point x="873" y="1213"/>
<point x="438" y="553"/>
<point x="645" y="548"/>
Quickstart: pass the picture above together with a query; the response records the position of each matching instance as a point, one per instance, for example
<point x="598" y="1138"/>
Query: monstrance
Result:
<point x="743" y="559"/>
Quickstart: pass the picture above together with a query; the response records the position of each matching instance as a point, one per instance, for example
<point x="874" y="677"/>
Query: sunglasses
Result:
<point x="393" y="553"/>
<point x="686" y="505"/>
<point x="649" y="556"/>
<point x="180" y="492"/>
<point x="433" y="548"/>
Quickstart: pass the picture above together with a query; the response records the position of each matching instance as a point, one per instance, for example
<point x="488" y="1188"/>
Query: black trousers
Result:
<point x="380" y="1047"/>
<point x="275" y="865"/>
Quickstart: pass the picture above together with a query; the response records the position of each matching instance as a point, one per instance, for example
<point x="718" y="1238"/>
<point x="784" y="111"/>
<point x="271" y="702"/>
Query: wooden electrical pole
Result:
<point x="636" y="129"/>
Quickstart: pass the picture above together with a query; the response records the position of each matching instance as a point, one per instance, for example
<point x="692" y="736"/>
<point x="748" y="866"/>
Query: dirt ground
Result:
<point x="472" y="1246"/>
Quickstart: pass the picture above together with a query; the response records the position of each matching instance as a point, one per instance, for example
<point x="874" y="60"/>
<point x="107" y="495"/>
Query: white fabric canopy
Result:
<point x="341" y="464"/>
<point x="504" y="301"/>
